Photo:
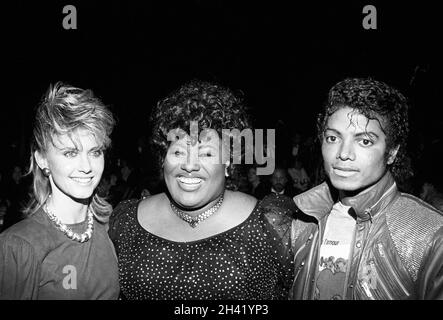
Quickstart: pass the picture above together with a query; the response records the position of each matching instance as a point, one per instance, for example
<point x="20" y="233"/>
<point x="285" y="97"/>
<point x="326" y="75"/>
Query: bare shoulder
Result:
<point x="242" y="202"/>
<point x="151" y="204"/>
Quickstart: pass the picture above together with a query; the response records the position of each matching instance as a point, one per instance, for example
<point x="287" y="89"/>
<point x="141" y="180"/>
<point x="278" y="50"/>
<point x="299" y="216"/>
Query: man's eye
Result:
<point x="70" y="154"/>
<point x="331" y="139"/>
<point x="366" y="142"/>
<point x="178" y="153"/>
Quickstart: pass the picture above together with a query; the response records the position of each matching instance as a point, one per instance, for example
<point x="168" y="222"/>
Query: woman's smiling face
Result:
<point x="194" y="174"/>
<point x="76" y="164"/>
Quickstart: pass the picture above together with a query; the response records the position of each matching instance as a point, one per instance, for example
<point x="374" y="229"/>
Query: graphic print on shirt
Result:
<point x="334" y="254"/>
<point x="70" y="280"/>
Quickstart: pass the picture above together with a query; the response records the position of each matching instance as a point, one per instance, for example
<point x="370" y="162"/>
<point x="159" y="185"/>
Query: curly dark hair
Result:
<point x="211" y="105"/>
<point x="376" y="101"/>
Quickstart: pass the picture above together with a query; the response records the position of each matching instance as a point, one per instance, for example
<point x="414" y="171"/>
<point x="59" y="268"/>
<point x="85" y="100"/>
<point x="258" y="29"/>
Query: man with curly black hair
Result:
<point x="389" y="244"/>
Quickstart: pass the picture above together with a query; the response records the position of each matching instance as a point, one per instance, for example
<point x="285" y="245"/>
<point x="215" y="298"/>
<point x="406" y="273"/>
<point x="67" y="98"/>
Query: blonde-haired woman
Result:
<point x="61" y="250"/>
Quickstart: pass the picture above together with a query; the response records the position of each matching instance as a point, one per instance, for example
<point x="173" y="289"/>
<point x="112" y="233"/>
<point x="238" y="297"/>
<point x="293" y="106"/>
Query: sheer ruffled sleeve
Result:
<point x="278" y="220"/>
<point x="19" y="269"/>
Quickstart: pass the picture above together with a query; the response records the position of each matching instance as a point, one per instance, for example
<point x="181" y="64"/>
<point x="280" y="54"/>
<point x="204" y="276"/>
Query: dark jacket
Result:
<point x="398" y="238"/>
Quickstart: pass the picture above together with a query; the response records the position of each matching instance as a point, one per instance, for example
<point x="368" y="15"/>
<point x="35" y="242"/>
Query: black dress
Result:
<point x="252" y="260"/>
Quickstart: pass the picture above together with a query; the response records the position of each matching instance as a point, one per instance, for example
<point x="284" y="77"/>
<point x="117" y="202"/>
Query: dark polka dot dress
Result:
<point x="250" y="261"/>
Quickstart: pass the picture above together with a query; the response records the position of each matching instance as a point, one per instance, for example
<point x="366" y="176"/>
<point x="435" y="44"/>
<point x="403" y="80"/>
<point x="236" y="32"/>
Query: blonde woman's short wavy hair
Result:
<point x="65" y="109"/>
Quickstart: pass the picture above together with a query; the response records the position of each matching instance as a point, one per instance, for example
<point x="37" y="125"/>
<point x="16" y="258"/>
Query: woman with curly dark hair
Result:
<point x="199" y="240"/>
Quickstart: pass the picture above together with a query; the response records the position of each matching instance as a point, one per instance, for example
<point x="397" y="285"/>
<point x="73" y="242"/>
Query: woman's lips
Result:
<point x="188" y="180"/>
<point x="189" y="183"/>
<point x="83" y="180"/>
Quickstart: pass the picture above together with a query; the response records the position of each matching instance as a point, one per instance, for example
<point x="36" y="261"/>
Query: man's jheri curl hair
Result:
<point x="211" y="105"/>
<point x="376" y="101"/>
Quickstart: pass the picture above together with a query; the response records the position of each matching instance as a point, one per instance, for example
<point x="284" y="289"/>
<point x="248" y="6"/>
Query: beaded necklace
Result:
<point x="85" y="236"/>
<point x="194" y="221"/>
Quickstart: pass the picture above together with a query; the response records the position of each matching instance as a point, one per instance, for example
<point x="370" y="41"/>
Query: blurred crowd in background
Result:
<point x="298" y="167"/>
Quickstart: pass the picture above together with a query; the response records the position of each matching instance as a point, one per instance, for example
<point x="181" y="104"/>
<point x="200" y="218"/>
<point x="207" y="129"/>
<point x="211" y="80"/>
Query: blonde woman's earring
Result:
<point x="46" y="172"/>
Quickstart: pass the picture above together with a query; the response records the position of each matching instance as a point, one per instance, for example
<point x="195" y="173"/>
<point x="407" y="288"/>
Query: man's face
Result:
<point x="252" y="175"/>
<point x="353" y="149"/>
<point x="279" y="180"/>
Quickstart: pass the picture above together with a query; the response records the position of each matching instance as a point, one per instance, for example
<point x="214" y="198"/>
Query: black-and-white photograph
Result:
<point x="223" y="152"/>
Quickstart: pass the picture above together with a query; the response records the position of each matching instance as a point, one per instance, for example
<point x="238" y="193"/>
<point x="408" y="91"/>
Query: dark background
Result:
<point x="284" y="57"/>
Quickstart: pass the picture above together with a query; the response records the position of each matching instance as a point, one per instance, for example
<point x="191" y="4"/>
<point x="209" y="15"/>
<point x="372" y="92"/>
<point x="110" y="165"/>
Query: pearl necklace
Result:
<point x="67" y="231"/>
<point x="194" y="221"/>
